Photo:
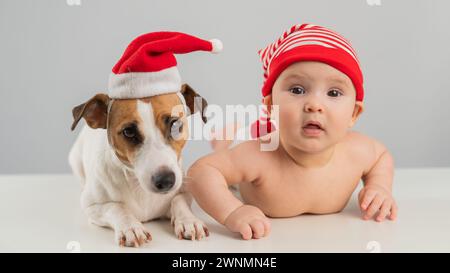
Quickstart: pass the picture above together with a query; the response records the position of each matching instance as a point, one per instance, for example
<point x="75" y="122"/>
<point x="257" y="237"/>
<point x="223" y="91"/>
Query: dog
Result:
<point x="129" y="163"/>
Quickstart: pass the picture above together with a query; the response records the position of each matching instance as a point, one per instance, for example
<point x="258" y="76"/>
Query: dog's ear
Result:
<point x="194" y="101"/>
<point x="94" y="111"/>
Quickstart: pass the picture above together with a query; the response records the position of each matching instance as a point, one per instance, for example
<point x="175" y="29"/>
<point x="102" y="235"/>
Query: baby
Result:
<point x="313" y="75"/>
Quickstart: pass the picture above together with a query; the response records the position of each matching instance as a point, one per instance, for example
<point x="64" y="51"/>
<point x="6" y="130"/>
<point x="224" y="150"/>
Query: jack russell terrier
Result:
<point x="129" y="162"/>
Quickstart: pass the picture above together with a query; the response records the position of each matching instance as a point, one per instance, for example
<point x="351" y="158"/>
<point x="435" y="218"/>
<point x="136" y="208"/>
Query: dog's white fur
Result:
<point x="120" y="197"/>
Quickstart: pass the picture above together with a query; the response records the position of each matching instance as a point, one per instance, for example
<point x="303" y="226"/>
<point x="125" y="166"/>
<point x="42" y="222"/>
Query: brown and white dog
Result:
<point x="129" y="161"/>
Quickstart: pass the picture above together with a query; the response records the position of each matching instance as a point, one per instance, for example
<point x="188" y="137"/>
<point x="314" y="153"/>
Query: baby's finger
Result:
<point x="374" y="207"/>
<point x="267" y="227"/>
<point x="394" y="210"/>
<point x="246" y="232"/>
<point x="257" y="228"/>
<point x="367" y="199"/>
<point x="361" y="195"/>
<point x="384" y="211"/>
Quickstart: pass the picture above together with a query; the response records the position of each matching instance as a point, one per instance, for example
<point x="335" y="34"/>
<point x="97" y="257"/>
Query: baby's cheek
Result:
<point x="289" y="121"/>
<point x="339" y="129"/>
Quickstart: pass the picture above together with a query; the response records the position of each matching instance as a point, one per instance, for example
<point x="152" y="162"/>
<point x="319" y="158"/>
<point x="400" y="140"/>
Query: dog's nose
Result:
<point x="163" y="180"/>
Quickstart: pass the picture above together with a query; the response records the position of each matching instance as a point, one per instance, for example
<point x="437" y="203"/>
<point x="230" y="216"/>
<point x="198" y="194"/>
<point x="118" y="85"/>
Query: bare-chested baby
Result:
<point x="314" y="76"/>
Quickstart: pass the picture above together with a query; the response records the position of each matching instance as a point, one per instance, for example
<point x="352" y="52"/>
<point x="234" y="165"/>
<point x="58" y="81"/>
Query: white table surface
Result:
<point x="41" y="213"/>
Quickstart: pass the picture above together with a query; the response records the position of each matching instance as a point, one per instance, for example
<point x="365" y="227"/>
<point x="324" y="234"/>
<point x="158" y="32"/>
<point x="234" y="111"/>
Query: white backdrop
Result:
<point x="55" y="56"/>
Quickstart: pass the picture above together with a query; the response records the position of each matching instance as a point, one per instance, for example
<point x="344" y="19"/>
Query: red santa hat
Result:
<point x="148" y="65"/>
<point x="307" y="42"/>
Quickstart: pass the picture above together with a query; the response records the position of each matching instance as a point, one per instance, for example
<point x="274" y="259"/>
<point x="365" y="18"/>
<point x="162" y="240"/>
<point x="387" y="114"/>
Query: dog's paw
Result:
<point x="190" y="228"/>
<point x="133" y="236"/>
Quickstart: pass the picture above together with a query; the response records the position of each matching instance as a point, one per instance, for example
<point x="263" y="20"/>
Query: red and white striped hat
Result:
<point x="308" y="42"/>
<point x="148" y="65"/>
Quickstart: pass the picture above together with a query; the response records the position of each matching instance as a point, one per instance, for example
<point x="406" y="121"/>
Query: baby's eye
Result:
<point x="297" y="90"/>
<point x="334" y="93"/>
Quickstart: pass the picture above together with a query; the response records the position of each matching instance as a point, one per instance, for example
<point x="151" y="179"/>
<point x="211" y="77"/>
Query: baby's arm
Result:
<point x="208" y="180"/>
<point x="376" y="196"/>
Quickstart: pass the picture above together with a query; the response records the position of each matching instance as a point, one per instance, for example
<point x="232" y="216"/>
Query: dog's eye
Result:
<point x="131" y="134"/>
<point x="176" y="127"/>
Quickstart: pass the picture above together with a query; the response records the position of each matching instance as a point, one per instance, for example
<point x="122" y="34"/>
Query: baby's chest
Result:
<point x="293" y="193"/>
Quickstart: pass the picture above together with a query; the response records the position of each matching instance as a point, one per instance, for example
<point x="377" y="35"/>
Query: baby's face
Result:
<point x="314" y="92"/>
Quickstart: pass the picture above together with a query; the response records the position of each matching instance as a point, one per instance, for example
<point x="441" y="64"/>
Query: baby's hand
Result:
<point x="373" y="199"/>
<point x="249" y="221"/>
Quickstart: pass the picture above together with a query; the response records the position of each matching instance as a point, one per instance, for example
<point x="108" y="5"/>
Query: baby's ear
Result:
<point x="357" y="111"/>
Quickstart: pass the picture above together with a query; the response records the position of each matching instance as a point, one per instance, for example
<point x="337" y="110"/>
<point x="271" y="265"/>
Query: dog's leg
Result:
<point x="128" y="230"/>
<point x="185" y="224"/>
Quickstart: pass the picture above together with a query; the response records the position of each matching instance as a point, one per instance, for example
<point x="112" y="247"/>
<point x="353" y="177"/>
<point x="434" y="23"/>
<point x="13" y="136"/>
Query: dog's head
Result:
<point x="147" y="135"/>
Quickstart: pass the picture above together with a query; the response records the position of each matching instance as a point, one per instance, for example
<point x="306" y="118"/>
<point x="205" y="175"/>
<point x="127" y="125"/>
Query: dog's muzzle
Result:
<point x="163" y="181"/>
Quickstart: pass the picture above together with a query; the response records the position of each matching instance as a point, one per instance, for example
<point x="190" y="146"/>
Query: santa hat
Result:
<point x="308" y="42"/>
<point x="148" y="65"/>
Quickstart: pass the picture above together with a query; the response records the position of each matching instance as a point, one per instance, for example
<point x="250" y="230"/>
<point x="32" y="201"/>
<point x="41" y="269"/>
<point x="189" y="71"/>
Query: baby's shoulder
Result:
<point x="250" y="160"/>
<point x="361" y="148"/>
<point x="364" y="150"/>
<point x="363" y="142"/>
<point x="250" y="148"/>
<point x="254" y="154"/>
<point x="354" y="137"/>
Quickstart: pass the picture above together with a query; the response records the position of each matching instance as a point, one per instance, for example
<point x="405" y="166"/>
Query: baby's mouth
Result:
<point x="312" y="128"/>
<point x="313" y="125"/>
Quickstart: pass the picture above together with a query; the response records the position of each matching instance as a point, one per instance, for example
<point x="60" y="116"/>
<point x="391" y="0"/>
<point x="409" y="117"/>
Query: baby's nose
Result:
<point x="313" y="107"/>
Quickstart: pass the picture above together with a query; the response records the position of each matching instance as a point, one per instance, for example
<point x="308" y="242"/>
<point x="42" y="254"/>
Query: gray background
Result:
<point x="55" y="56"/>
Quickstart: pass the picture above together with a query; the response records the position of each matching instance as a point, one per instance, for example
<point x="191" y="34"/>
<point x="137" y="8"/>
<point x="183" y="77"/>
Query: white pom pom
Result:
<point x="217" y="45"/>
